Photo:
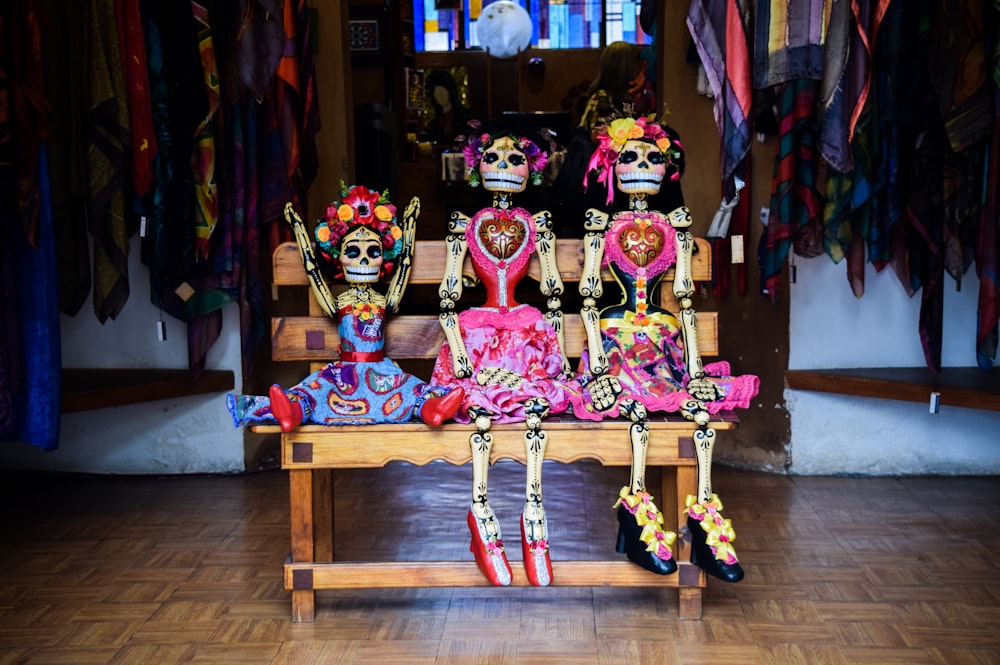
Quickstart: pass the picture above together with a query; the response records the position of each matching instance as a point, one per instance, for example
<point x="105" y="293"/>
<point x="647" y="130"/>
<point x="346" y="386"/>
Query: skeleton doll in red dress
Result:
<point x="507" y="356"/>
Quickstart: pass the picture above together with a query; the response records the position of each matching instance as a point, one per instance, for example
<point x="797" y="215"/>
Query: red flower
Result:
<point x="363" y="200"/>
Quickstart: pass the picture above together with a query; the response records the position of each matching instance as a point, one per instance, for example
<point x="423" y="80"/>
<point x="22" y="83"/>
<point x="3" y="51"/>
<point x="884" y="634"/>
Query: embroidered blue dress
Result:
<point x="362" y="387"/>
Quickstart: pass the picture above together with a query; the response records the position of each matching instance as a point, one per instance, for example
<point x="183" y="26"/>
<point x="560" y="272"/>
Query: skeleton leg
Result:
<point x="534" y="529"/>
<point x="487" y="544"/>
<point x="711" y="534"/>
<point x="640" y="523"/>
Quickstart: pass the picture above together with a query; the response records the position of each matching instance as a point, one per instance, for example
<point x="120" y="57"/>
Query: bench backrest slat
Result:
<point x="419" y="336"/>
<point x="429" y="258"/>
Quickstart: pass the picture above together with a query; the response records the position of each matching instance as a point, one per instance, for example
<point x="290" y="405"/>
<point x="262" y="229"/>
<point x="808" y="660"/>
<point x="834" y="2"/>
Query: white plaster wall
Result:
<point x="836" y="434"/>
<point x="186" y="435"/>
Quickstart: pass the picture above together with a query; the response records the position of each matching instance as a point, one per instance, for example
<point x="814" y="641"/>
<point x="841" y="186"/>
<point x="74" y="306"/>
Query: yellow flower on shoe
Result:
<point x="719" y="531"/>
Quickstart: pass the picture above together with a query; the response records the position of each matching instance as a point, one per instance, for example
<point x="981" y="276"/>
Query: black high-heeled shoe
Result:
<point x="703" y="557"/>
<point x="630" y="544"/>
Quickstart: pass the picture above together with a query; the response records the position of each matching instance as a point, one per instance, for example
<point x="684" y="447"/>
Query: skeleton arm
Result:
<point x="591" y="287"/>
<point x="401" y="274"/>
<point x="683" y="288"/>
<point x="450" y="291"/>
<point x="604" y="388"/>
<point x="319" y="286"/>
<point x="550" y="281"/>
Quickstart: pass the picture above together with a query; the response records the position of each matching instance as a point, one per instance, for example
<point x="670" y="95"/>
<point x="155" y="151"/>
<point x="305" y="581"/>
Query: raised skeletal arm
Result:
<point x="319" y="286"/>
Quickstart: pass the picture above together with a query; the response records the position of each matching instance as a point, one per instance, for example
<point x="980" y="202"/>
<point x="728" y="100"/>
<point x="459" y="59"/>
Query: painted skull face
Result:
<point x="640" y="168"/>
<point x="361" y="256"/>
<point x="504" y="167"/>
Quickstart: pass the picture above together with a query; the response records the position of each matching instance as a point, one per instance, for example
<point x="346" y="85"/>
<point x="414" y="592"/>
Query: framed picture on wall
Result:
<point x="366" y="36"/>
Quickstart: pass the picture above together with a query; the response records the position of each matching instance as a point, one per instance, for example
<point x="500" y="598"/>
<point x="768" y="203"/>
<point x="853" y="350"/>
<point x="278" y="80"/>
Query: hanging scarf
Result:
<point x="21" y="60"/>
<point x="203" y="159"/>
<point x="796" y="203"/>
<point x="107" y="142"/>
<point x="789" y="40"/>
<point x="66" y="149"/>
<point x="963" y="96"/>
<point x="296" y="102"/>
<point x="30" y="357"/>
<point x="847" y="76"/>
<point x="719" y="30"/>
<point x="988" y="254"/>
<point x="924" y="258"/>
<point x="133" y="57"/>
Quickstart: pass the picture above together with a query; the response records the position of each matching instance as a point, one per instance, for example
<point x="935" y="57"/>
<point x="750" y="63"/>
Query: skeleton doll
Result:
<point x="506" y="356"/>
<point x="642" y="358"/>
<point x="359" y="242"/>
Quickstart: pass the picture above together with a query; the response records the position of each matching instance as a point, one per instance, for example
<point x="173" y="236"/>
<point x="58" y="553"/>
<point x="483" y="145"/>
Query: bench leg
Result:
<point x="323" y="515"/>
<point x="303" y="606"/>
<point x="300" y="507"/>
<point x="678" y="483"/>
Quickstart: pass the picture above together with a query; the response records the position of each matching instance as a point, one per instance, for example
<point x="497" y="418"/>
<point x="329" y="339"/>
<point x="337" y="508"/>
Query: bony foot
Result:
<point x="436" y="410"/>
<point x="641" y="535"/>
<point x="487" y="547"/>
<point x="535" y="551"/>
<point x="712" y="539"/>
<point x="285" y="411"/>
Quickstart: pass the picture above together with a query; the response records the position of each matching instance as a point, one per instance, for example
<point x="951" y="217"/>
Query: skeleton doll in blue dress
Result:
<point x="359" y="241"/>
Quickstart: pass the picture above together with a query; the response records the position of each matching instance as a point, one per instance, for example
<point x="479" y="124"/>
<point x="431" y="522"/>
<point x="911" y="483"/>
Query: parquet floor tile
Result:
<point x="165" y="570"/>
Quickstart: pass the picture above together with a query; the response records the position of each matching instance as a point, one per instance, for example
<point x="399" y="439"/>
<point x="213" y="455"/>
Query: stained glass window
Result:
<point x="558" y="24"/>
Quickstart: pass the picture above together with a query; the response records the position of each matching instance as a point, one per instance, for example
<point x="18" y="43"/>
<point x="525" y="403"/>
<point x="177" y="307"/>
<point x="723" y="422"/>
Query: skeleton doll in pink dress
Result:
<point x="641" y="357"/>
<point x="506" y="356"/>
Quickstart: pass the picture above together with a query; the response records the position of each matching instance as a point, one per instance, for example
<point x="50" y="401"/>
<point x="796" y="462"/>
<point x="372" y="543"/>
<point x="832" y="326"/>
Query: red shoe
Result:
<point x="536" y="558"/>
<point x="488" y="551"/>
<point x="285" y="411"/>
<point x="436" y="410"/>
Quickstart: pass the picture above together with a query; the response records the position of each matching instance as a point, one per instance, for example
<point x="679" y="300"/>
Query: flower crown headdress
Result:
<point x="359" y="206"/>
<point x="611" y="139"/>
<point x="479" y="142"/>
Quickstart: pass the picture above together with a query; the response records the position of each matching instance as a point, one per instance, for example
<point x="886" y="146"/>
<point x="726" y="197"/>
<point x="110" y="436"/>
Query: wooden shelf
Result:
<point x="968" y="387"/>
<point x="88" y="389"/>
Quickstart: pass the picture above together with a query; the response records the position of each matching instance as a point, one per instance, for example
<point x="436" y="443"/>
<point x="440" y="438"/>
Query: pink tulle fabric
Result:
<point x="648" y="372"/>
<point x="519" y="340"/>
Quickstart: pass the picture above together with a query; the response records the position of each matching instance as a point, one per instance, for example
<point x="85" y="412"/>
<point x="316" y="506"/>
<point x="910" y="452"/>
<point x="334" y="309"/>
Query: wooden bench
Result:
<point x="310" y="453"/>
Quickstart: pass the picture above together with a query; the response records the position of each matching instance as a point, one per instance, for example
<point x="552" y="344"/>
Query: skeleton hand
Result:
<point x="409" y="223"/>
<point x="704" y="390"/>
<point x="492" y="376"/>
<point x="291" y="216"/>
<point x="604" y="390"/>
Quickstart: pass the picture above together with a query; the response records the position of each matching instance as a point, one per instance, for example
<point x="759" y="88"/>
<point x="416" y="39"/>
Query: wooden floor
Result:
<point x="187" y="570"/>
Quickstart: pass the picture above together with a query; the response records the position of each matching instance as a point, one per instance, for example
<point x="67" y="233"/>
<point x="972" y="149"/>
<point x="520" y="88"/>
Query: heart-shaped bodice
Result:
<point x="501" y="236"/>
<point x="640" y="242"/>
<point x="500" y="242"/>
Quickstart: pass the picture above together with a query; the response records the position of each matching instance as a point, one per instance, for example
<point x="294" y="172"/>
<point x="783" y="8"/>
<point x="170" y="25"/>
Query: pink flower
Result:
<point x="539" y="547"/>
